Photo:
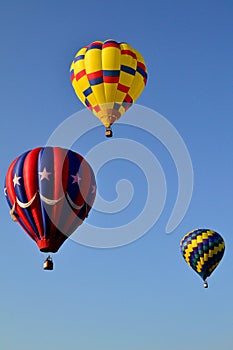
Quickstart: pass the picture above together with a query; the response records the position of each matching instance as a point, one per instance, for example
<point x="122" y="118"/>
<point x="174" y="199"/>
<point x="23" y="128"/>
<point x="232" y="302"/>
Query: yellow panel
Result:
<point x="82" y="84"/>
<point x="93" y="60"/>
<point x="79" y="93"/>
<point x="199" y="239"/>
<point x="138" y="84"/>
<point x="205" y="235"/>
<point x="78" y="66"/>
<point x="120" y="96"/>
<point x="111" y="58"/>
<point x="210" y="232"/>
<point x="111" y="61"/>
<point x="194" y="243"/>
<point x="206" y="256"/>
<point x="93" y="64"/>
<point x="136" y="87"/>
<point x="187" y="255"/>
<point x="221" y="246"/>
<point x="121" y="110"/>
<point x="99" y="93"/>
<point x="110" y="92"/>
<point x="126" y="79"/>
<point x="211" y="253"/>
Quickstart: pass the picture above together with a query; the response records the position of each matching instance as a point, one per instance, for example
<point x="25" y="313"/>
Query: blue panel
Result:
<point x="127" y="69"/>
<point x="142" y="72"/>
<point x="20" y="191"/>
<point x="96" y="81"/>
<point x="73" y="185"/>
<point x="111" y="73"/>
<point x="88" y="91"/>
<point x="95" y="46"/>
<point x="78" y="58"/>
<point x="46" y="188"/>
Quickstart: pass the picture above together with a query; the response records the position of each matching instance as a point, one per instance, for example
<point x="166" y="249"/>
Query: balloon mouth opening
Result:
<point x="48" y="250"/>
<point x="49" y="246"/>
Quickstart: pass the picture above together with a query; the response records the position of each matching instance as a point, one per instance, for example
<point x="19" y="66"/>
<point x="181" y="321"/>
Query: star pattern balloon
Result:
<point x="50" y="191"/>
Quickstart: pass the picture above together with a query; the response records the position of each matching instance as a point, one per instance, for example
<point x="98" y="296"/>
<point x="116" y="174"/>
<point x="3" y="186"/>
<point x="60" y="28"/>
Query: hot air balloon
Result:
<point x="50" y="191"/>
<point x="202" y="250"/>
<point x="108" y="77"/>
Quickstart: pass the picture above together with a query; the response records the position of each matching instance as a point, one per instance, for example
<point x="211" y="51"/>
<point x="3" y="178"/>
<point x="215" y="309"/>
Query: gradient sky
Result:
<point x="141" y="295"/>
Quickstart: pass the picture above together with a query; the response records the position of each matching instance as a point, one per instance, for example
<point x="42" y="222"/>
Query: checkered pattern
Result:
<point x="202" y="249"/>
<point x="108" y="77"/>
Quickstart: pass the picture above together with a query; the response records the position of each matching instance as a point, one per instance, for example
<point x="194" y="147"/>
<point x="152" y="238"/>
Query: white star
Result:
<point x="76" y="179"/>
<point x="16" y="180"/>
<point x="93" y="189"/>
<point x="5" y="191"/>
<point x="44" y="174"/>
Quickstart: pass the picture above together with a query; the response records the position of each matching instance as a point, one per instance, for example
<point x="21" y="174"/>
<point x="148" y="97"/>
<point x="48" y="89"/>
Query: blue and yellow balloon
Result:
<point x="202" y="250"/>
<point x="108" y="77"/>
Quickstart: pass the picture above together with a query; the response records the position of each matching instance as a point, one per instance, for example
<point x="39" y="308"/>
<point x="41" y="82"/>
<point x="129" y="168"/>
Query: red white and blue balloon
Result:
<point x="50" y="191"/>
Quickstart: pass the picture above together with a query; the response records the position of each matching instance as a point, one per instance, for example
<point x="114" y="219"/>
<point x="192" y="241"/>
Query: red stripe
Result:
<point x="129" y="52"/>
<point x="9" y="182"/>
<point x="95" y="43"/>
<point x="107" y="79"/>
<point x="72" y="76"/>
<point x="128" y="99"/>
<point x="80" y="74"/>
<point x="30" y="176"/>
<point x="95" y="75"/>
<point x="12" y="197"/>
<point x="111" y="44"/>
<point x="123" y="88"/>
<point x="141" y="65"/>
<point x="59" y="184"/>
<point x="97" y="108"/>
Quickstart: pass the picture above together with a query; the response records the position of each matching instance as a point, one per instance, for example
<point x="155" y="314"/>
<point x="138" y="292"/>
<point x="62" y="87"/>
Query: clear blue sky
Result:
<point x="142" y="295"/>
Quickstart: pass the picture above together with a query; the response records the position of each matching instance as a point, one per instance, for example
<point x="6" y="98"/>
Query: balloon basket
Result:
<point x="108" y="132"/>
<point x="48" y="264"/>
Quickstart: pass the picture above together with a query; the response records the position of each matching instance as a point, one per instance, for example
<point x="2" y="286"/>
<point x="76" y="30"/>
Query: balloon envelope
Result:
<point x="108" y="77"/>
<point x="50" y="191"/>
<point x="203" y="250"/>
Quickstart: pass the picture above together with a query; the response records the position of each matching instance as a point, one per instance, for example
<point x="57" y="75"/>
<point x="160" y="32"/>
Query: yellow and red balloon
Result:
<point x="108" y="77"/>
